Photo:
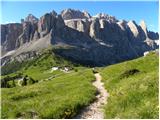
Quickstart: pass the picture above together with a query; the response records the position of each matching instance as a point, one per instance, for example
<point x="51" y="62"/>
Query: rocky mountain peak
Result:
<point x="86" y="14"/>
<point x="122" y="24"/>
<point x="132" y="22"/>
<point x="105" y="16"/>
<point x="31" y="18"/>
<point x="101" y="15"/>
<point x="143" y="26"/>
<point x="54" y="13"/>
<point x="133" y="27"/>
<point x="74" y="14"/>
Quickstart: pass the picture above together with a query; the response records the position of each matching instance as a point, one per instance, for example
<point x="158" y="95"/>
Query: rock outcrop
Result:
<point x="93" y="40"/>
<point x="134" y="28"/>
<point x="31" y="18"/>
<point x="9" y="35"/>
<point x="153" y="35"/>
<point x="95" y="29"/>
<point x="144" y="27"/>
<point x="74" y="14"/>
<point x="106" y="17"/>
<point x="79" y="24"/>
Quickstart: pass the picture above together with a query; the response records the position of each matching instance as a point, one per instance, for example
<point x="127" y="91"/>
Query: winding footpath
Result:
<point x="94" y="110"/>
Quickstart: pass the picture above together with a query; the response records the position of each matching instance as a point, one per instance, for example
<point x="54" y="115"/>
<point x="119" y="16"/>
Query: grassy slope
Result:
<point x="40" y="67"/>
<point x="132" y="97"/>
<point x="135" y="96"/>
<point x="60" y="97"/>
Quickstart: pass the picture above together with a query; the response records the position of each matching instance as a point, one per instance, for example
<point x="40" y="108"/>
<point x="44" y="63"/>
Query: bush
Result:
<point x="4" y="82"/>
<point x="128" y="73"/>
<point x="13" y="83"/>
<point x="30" y="81"/>
<point x="76" y="70"/>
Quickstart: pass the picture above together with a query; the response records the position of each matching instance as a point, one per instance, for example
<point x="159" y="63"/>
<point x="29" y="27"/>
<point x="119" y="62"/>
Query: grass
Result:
<point x="38" y="68"/>
<point x="40" y="74"/>
<point x="132" y="94"/>
<point x="61" y="97"/>
<point x="132" y="85"/>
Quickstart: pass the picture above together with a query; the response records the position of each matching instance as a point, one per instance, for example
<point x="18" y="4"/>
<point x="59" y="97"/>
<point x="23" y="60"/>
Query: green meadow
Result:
<point x="60" y="97"/>
<point x="133" y="87"/>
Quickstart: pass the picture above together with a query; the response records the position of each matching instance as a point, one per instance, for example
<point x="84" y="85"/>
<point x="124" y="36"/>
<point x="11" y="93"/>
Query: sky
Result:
<point x="135" y="10"/>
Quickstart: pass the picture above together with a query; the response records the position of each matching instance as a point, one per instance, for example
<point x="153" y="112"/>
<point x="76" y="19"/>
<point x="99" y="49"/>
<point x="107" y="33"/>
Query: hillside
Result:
<point x="65" y="92"/>
<point x="60" y="97"/>
<point x="35" y="65"/>
<point x="133" y="88"/>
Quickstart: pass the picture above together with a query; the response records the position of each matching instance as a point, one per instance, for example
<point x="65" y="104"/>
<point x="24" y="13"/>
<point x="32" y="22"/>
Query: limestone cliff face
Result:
<point x="29" y="33"/>
<point x="96" y="40"/>
<point x="144" y="27"/>
<point x="80" y="25"/>
<point x="74" y="14"/>
<point x="9" y="35"/>
<point x="95" y="29"/>
<point x="31" y="18"/>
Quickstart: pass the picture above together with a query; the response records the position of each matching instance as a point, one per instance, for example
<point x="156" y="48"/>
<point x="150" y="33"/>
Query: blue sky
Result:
<point x="146" y="10"/>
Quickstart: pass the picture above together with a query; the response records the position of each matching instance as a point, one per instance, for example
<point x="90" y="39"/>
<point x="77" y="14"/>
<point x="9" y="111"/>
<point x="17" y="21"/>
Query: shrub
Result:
<point x="76" y="70"/>
<point x="30" y="81"/>
<point x="4" y="83"/>
<point x="128" y="73"/>
<point x="13" y="83"/>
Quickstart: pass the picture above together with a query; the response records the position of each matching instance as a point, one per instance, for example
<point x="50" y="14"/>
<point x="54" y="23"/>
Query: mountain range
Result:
<point x="76" y="35"/>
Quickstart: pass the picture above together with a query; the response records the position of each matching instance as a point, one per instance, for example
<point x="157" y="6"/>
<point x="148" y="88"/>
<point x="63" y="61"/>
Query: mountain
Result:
<point x="31" y="18"/>
<point x="90" y="40"/>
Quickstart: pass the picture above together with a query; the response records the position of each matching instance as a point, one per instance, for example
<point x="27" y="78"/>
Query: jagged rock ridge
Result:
<point x="97" y="40"/>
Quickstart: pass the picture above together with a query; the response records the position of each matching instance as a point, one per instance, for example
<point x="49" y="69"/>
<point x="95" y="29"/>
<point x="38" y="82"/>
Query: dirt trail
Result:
<point x="94" y="110"/>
